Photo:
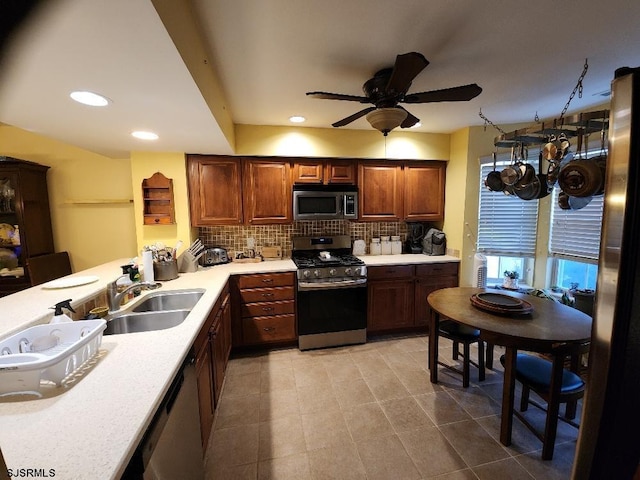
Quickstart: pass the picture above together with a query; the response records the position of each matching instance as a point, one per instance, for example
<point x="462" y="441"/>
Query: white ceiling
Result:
<point x="527" y="57"/>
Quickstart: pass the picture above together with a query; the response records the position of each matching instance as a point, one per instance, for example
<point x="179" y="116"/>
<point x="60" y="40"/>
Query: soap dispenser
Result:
<point x="59" y="316"/>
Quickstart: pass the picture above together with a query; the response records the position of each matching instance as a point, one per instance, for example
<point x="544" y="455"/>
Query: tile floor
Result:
<point x="370" y="412"/>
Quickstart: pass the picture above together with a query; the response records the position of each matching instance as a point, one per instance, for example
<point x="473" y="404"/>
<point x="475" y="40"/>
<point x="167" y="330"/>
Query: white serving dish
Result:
<point x="22" y="371"/>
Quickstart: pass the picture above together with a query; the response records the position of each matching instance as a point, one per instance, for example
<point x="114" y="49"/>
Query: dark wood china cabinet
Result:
<point x="25" y="220"/>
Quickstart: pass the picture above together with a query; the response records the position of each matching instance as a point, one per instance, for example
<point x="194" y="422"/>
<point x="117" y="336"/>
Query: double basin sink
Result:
<point x="155" y="311"/>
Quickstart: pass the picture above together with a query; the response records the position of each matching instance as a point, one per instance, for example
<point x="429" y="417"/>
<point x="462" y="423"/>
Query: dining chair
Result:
<point x="461" y="334"/>
<point x="44" y="268"/>
<point x="534" y="373"/>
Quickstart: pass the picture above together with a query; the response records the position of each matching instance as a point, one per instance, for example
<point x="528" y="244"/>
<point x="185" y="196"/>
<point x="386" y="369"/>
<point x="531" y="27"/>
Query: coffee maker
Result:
<point x="415" y="234"/>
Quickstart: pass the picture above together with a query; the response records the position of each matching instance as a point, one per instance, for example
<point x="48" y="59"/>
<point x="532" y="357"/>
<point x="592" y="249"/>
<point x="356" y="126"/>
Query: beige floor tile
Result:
<point x="344" y="373"/>
<point x="234" y="446"/>
<point x="336" y="463"/>
<point x="352" y="393"/>
<point x="441" y="408"/>
<point x="559" y="468"/>
<point x="508" y="469"/>
<point x="414" y="344"/>
<point x="431" y="452"/>
<point x="385" y="458"/>
<point x="402" y="361"/>
<point x="475" y="401"/>
<point x="473" y="443"/>
<point x="417" y="381"/>
<point x="367" y="421"/>
<point x="522" y="439"/>
<point x="239" y="472"/>
<point x="370" y="363"/>
<point x="244" y="365"/>
<point x="278" y="404"/>
<point x="281" y="437"/>
<point x="245" y="384"/>
<point x="325" y="429"/>
<point x="405" y="414"/>
<point x="234" y="411"/>
<point x="272" y="379"/>
<point x="310" y="373"/>
<point x="387" y="386"/>
<point x="317" y="398"/>
<point x="294" y="467"/>
<point x="466" y="474"/>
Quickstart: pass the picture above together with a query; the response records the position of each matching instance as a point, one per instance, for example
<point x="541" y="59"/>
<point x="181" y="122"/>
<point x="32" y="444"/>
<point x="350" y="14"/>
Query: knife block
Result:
<point x="187" y="263"/>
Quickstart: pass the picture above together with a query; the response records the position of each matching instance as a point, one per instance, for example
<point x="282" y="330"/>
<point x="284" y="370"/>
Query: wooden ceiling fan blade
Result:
<point x="462" y="93"/>
<point x="410" y="121"/>
<point x="406" y="68"/>
<point x="351" y="118"/>
<point x="338" y="96"/>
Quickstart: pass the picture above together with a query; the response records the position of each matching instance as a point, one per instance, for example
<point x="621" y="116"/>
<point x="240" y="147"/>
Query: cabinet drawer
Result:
<point x="266" y="294"/>
<point x="392" y="271"/>
<point x="266" y="280"/>
<point x="441" y="269"/>
<point x="268" y="308"/>
<point x="277" y="328"/>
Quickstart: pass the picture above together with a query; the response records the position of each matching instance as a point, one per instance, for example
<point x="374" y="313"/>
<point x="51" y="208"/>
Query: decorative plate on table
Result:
<point x="70" y="282"/>
<point x="500" y="303"/>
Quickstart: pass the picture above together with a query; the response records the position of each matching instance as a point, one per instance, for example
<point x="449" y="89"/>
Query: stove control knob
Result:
<point x="316" y="273"/>
<point x="347" y="271"/>
<point x="357" y="271"/>
<point x="332" y="272"/>
<point x="306" y="274"/>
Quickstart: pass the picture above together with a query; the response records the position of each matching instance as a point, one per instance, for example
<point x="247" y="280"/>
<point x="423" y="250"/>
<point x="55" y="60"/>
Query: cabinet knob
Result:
<point x="157" y="220"/>
<point x="267" y="295"/>
<point x="267" y="309"/>
<point x="269" y="329"/>
<point x="267" y="280"/>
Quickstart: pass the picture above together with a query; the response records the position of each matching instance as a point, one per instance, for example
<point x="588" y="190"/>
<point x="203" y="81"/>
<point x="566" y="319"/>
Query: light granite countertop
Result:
<point x="90" y="427"/>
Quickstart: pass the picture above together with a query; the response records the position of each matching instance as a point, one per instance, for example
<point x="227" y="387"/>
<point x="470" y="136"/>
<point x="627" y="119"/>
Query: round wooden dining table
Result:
<point x="551" y="327"/>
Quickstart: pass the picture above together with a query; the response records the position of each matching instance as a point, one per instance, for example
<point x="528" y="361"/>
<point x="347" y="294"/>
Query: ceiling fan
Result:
<point x="389" y="87"/>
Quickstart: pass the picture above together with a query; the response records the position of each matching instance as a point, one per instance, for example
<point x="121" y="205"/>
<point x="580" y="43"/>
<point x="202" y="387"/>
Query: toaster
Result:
<point x="214" y="256"/>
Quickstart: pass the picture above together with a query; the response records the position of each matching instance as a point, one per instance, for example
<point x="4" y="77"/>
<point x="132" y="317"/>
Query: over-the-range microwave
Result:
<point x="325" y="202"/>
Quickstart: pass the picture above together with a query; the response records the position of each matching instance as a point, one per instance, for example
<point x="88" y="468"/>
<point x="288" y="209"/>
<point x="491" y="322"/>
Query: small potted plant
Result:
<point x="510" y="279"/>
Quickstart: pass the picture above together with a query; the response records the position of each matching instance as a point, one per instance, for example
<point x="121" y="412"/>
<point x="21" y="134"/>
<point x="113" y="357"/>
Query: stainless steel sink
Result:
<point x="156" y="311"/>
<point x="171" y="300"/>
<point x="145" y="321"/>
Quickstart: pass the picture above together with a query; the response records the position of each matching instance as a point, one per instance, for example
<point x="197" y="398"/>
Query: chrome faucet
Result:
<point x="114" y="297"/>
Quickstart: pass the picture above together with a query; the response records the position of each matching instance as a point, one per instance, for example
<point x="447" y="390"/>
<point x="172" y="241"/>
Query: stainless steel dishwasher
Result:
<point x="171" y="448"/>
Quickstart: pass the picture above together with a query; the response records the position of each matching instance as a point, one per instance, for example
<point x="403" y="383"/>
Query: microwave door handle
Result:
<point x="343" y="204"/>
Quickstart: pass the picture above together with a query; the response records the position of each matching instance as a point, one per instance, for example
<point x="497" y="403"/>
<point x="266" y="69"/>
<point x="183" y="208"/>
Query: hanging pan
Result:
<point x="493" y="181"/>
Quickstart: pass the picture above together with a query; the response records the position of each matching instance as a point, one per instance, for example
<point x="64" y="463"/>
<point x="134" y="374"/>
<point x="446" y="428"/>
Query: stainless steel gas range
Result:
<point x="331" y="293"/>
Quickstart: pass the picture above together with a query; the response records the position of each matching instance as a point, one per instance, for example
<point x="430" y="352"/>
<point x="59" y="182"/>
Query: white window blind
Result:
<point x="575" y="234"/>
<point x="507" y="225"/>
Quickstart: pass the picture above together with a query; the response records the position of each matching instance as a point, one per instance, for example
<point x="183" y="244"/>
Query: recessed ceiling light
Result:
<point x="89" y="98"/>
<point x="297" y="119"/>
<point x="142" y="135"/>
<point x="418" y="124"/>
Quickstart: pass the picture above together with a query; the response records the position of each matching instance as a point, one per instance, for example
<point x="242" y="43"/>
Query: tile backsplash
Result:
<point x="234" y="237"/>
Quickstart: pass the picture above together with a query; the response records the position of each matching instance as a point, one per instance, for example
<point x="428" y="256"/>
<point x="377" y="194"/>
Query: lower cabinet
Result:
<point x="397" y="294"/>
<point x="264" y="309"/>
<point x="213" y="345"/>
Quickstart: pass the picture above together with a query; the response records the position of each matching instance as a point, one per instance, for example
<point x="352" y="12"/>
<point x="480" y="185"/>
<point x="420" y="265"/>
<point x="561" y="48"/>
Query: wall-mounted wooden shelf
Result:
<point x="157" y="197"/>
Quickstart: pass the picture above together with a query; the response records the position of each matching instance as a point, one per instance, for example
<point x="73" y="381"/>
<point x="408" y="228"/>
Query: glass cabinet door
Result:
<point x="11" y="264"/>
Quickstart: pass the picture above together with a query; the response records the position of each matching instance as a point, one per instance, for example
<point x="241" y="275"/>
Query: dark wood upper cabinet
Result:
<point x="215" y="190"/>
<point x="424" y="191"/>
<point x="267" y="196"/>
<point x="381" y="191"/>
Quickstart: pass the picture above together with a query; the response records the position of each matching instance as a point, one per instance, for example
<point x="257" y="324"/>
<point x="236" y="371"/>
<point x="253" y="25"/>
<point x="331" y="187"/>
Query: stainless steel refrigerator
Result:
<point x="608" y="443"/>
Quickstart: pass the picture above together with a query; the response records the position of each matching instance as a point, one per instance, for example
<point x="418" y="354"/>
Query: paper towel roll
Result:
<point x="147" y="266"/>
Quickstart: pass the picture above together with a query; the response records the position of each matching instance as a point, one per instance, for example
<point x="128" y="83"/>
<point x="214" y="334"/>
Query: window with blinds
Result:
<point x="575" y="234"/>
<point x="507" y="225"/>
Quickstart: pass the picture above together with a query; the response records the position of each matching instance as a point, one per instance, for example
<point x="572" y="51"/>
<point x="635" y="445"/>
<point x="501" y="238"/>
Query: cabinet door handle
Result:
<point x="267" y="309"/>
<point x="267" y="280"/>
<point x="269" y="329"/>
<point x="267" y="295"/>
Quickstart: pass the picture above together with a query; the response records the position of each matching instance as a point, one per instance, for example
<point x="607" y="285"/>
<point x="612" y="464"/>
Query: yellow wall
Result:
<point x="173" y="166"/>
<point x="319" y="142"/>
<point x="92" y="234"/>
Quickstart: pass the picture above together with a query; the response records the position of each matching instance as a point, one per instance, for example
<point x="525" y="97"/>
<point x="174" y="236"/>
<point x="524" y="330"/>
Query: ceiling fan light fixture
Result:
<point x="386" y="119"/>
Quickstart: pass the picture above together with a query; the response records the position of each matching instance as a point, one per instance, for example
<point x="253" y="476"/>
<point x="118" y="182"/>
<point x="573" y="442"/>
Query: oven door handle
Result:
<point x="305" y="286"/>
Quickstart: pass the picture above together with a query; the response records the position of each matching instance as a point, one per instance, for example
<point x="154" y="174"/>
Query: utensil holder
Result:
<point x="163" y="271"/>
<point x="187" y="262"/>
